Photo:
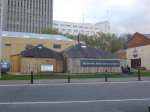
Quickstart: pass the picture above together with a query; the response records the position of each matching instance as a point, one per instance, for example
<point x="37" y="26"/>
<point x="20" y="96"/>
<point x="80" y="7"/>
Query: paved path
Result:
<point x="88" y="96"/>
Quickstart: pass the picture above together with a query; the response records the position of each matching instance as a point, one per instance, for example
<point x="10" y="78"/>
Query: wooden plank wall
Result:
<point x="74" y="67"/>
<point x="34" y="64"/>
<point x="15" y="63"/>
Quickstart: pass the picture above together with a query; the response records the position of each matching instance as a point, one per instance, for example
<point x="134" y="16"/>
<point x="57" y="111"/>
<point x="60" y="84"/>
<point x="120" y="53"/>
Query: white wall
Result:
<point x="143" y="53"/>
<point x="86" y="28"/>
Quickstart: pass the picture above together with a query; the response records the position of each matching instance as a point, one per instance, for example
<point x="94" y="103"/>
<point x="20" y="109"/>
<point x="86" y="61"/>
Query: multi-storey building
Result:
<point x="84" y="28"/>
<point x="27" y="15"/>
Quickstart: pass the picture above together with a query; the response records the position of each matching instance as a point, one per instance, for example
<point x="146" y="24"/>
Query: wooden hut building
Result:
<point x="37" y="59"/>
<point x="82" y="58"/>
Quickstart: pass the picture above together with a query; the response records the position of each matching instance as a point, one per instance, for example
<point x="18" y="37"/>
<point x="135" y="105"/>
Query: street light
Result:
<point x="1" y="29"/>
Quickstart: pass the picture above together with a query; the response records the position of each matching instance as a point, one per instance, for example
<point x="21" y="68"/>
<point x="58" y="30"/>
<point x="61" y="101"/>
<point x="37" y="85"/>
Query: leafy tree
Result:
<point x="125" y="38"/>
<point x="51" y="31"/>
<point x="116" y="43"/>
<point x="106" y="42"/>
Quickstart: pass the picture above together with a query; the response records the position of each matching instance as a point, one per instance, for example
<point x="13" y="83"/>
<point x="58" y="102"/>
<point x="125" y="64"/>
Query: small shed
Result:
<point x="82" y="58"/>
<point x="37" y="59"/>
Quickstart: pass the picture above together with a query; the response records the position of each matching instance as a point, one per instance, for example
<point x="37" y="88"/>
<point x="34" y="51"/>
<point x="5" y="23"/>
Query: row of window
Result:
<point x="35" y="1"/>
<point x="75" y="26"/>
<point x="27" y="20"/>
<point x="57" y="46"/>
<point x="82" y="31"/>
<point x="40" y="13"/>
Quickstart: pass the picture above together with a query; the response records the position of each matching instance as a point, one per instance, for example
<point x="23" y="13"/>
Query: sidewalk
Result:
<point x="63" y="81"/>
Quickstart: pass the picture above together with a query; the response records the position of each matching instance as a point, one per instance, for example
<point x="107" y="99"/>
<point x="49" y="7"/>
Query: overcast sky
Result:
<point x="125" y="16"/>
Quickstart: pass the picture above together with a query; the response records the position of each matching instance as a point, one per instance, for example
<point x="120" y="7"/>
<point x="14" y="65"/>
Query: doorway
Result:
<point x="135" y="63"/>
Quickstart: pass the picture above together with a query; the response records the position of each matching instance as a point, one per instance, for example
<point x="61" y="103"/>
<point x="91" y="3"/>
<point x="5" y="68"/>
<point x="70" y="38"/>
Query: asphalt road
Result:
<point x="76" y="97"/>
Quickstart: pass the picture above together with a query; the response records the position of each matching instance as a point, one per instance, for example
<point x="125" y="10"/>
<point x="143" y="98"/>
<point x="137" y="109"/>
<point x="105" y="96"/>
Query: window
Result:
<point x="63" y="30"/>
<point x="58" y="46"/>
<point x="62" y="24"/>
<point x="55" y="24"/>
<point x="7" y="44"/>
<point x="68" y="25"/>
<point x="75" y="30"/>
<point x="80" y="26"/>
<point x="74" y="26"/>
<point x="69" y="30"/>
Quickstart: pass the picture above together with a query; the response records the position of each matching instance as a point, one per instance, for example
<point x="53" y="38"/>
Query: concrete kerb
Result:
<point x="75" y="81"/>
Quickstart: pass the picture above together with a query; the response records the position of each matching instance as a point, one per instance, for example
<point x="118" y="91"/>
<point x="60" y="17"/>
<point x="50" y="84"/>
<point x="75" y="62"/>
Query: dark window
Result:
<point x="7" y="44"/>
<point x="58" y="46"/>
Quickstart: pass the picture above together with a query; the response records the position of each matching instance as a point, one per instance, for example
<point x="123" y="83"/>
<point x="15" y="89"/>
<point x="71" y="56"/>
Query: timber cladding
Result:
<point x="35" y="58"/>
<point x="15" y="61"/>
<point x="75" y="66"/>
<point x="75" y="55"/>
<point x="34" y="64"/>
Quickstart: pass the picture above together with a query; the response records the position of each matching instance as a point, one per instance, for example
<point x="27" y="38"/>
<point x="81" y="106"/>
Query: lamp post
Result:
<point x="1" y="26"/>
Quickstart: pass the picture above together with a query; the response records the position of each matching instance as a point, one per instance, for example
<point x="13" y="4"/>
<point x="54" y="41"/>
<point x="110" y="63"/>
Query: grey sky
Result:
<point x="125" y="16"/>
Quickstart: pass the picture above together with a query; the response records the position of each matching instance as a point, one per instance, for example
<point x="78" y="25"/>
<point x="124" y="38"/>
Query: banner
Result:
<point x="99" y="63"/>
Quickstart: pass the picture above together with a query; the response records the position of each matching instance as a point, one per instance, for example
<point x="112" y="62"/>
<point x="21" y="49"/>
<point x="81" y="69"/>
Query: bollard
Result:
<point x="139" y="75"/>
<point x="149" y="108"/>
<point x="31" y="77"/>
<point x="68" y="76"/>
<point x="105" y="75"/>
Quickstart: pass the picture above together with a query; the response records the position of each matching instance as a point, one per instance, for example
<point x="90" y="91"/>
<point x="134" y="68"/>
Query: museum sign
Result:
<point x="99" y="63"/>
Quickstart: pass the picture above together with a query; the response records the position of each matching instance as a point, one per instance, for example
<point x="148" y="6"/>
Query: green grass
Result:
<point x="6" y="76"/>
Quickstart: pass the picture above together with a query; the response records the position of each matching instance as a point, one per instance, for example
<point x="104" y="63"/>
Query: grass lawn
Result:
<point x="6" y="76"/>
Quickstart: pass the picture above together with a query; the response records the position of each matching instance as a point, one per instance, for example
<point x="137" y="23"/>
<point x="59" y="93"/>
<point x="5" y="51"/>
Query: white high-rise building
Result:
<point x="83" y="28"/>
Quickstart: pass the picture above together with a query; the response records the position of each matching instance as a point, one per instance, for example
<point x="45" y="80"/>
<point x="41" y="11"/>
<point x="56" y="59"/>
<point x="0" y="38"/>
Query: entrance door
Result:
<point x="135" y="63"/>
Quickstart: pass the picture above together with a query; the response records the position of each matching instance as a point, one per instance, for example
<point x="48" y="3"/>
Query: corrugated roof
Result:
<point x="34" y="35"/>
<point x="41" y="52"/>
<point x="146" y="35"/>
<point x="84" y="51"/>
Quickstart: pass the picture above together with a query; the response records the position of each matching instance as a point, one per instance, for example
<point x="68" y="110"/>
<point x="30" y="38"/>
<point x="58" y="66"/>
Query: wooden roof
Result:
<point x="139" y="40"/>
<point x="84" y="51"/>
<point x="41" y="52"/>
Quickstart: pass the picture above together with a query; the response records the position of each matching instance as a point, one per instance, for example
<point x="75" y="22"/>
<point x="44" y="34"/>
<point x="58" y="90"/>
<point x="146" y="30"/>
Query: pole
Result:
<point x="68" y="76"/>
<point x="105" y="75"/>
<point x="1" y="29"/>
<point x="31" y="77"/>
<point x="139" y="75"/>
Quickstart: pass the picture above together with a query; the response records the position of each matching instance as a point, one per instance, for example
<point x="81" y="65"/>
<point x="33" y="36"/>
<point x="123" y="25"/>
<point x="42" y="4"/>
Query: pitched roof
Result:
<point x="41" y="52"/>
<point x="34" y="35"/>
<point x="84" y="51"/>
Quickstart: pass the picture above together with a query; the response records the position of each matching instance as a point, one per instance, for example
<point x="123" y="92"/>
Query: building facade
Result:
<point x="27" y="15"/>
<point x="83" y="28"/>
<point x="15" y="42"/>
<point x="138" y="51"/>
<point x="82" y="58"/>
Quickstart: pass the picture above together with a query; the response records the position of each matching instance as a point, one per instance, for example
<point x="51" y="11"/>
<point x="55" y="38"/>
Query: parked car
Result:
<point x="5" y="66"/>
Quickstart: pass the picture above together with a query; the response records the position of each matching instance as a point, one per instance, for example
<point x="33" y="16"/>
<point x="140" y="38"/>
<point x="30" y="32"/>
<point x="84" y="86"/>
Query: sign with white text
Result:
<point x="46" y="67"/>
<point x="100" y="63"/>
